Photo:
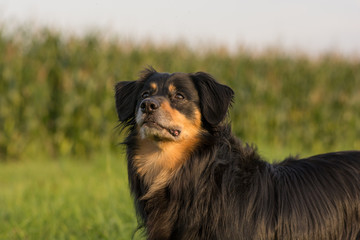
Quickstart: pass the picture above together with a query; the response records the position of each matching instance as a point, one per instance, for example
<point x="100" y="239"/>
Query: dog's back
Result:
<point x="319" y="197"/>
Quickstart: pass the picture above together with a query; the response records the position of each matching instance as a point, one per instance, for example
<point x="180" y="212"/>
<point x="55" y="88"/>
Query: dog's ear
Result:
<point x="215" y="98"/>
<point x="125" y="96"/>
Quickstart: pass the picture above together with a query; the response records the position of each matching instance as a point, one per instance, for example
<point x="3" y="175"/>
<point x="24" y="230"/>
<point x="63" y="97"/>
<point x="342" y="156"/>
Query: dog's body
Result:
<point x="192" y="179"/>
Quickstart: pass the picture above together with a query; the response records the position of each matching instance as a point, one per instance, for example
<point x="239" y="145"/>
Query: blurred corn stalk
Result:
<point x="56" y="93"/>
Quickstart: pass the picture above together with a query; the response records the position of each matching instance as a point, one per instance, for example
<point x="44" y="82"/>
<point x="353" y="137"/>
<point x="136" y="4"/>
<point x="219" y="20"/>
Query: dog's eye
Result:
<point x="179" y="96"/>
<point x="145" y="95"/>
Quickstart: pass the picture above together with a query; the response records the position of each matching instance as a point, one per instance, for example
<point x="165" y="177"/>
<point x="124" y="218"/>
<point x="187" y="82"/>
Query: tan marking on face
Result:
<point x="156" y="161"/>
<point x="153" y="86"/>
<point x="172" y="88"/>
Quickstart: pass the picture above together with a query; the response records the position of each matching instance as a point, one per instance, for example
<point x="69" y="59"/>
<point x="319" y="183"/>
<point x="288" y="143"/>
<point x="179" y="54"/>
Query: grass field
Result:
<point x="66" y="199"/>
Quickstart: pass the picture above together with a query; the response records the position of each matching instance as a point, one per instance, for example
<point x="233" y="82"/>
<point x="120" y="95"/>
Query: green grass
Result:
<point x="69" y="199"/>
<point x="66" y="199"/>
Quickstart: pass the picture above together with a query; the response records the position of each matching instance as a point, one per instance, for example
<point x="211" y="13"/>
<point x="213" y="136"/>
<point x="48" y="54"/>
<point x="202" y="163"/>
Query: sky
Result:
<point x="311" y="26"/>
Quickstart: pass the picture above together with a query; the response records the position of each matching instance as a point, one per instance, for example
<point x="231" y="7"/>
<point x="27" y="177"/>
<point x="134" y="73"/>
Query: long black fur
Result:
<point x="224" y="190"/>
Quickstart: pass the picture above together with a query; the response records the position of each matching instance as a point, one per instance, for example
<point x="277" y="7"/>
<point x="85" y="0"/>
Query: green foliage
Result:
<point x="56" y="93"/>
<point x="66" y="199"/>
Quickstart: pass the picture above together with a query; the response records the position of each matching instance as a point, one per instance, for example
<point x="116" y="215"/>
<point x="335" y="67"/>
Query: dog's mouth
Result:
<point x="152" y="124"/>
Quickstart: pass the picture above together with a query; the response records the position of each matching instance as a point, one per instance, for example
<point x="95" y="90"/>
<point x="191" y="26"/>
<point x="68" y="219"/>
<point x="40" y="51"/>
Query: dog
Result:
<point x="192" y="179"/>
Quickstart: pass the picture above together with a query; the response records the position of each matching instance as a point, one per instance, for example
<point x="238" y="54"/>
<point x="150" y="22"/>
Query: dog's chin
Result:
<point x="154" y="131"/>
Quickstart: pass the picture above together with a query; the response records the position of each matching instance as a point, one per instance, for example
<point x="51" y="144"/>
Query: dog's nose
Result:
<point x="149" y="105"/>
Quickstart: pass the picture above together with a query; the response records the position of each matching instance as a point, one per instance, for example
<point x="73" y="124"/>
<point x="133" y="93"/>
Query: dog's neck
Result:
<point x="156" y="162"/>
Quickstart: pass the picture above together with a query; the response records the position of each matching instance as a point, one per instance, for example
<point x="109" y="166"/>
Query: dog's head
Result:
<point x="172" y="107"/>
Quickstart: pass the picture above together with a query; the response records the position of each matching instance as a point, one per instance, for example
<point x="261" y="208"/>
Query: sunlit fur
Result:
<point x="204" y="183"/>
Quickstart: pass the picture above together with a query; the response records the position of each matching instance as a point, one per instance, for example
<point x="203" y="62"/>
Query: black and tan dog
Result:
<point x="192" y="179"/>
